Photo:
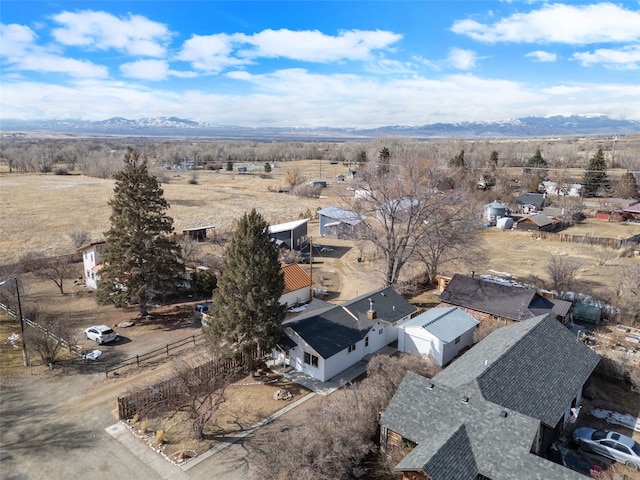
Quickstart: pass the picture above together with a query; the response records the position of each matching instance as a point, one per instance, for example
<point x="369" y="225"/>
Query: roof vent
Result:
<point x="430" y="386"/>
<point x="465" y="400"/>
<point x="503" y="414"/>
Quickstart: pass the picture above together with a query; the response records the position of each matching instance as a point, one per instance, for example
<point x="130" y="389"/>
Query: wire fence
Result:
<point x="64" y="342"/>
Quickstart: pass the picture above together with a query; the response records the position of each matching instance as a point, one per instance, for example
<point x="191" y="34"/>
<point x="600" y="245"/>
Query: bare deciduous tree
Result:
<point x="49" y="342"/>
<point x="56" y="269"/>
<point x="196" y="389"/>
<point x="562" y="273"/>
<point x="406" y="214"/>
<point x="79" y="237"/>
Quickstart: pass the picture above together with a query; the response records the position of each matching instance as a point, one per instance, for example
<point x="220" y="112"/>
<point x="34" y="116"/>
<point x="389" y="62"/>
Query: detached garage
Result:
<point x="440" y="332"/>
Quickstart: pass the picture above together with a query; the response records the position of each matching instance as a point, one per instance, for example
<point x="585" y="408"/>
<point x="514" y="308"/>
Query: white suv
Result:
<point x="100" y="334"/>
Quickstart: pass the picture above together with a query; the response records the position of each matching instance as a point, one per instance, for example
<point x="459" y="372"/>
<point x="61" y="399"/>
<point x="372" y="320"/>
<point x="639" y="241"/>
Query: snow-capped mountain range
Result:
<point x="174" y="126"/>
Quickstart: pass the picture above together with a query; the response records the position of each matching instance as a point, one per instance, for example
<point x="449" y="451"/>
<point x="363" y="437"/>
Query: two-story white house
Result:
<point x="91" y="262"/>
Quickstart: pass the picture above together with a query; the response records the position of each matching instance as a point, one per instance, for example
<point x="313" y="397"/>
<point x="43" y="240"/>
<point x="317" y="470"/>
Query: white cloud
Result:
<point x="627" y="58"/>
<point x="315" y="46"/>
<point x="542" y="56"/>
<point x="570" y="24"/>
<point x="209" y="53"/>
<point x="20" y="53"/>
<point x="462" y="59"/>
<point x="564" y="90"/>
<point x="298" y="97"/>
<point x="145" y="69"/>
<point x="214" y="53"/>
<point x="15" y="39"/>
<point x="135" y="34"/>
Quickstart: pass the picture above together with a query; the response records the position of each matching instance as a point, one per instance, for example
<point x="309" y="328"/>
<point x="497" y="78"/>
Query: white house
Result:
<point x="440" y="332"/>
<point x="92" y="262"/>
<point x="297" y="285"/>
<point x="327" y="339"/>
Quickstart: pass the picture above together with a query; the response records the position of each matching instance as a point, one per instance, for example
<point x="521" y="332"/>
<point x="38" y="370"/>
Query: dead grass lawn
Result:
<point x="248" y="402"/>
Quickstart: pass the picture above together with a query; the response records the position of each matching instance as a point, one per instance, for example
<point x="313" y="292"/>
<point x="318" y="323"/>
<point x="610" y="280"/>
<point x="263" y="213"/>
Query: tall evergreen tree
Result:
<point x="139" y="256"/>
<point x="384" y="158"/>
<point x="595" y="179"/>
<point x="538" y="163"/>
<point x="493" y="159"/>
<point x="246" y="311"/>
<point x="458" y="160"/>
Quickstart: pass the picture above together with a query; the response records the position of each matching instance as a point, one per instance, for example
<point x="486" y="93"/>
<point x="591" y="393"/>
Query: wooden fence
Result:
<point x="139" y="360"/>
<point x="585" y="239"/>
<point x="132" y="403"/>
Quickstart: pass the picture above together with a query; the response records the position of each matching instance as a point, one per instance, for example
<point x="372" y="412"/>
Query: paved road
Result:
<point x="54" y="426"/>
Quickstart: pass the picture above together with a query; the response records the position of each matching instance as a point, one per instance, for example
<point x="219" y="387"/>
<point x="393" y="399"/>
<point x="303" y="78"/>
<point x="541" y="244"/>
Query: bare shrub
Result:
<point x="308" y="191"/>
<point x="61" y="171"/>
<point x="604" y="254"/>
<point x="293" y="178"/>
<point x="193" y="180"/>
<point x="290" y="256"/>
<point x="48" y="343"/>
<point x="340" y="433"/>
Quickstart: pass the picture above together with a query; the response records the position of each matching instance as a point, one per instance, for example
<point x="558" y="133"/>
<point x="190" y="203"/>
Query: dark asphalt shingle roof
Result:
<point x="505" y="301"/>
<point x="466" y="438"/>
<point x="535" y="199"/>
<point x="332" y="328"/>
<point x="534" y="367"/>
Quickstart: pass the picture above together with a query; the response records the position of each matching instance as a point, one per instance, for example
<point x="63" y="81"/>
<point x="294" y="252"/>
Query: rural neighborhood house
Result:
<point x="327" y="339"/>
<point x="495" y="411"/>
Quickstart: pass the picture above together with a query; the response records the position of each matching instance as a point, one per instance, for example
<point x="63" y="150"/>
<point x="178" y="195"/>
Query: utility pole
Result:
<point x="311" y="267"/>
<point x="25" y="357"/>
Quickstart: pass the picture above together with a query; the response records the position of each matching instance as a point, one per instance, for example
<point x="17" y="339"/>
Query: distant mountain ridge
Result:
<point x="173" y="126"/>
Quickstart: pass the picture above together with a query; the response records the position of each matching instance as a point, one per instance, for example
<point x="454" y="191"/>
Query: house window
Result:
<point x="457" y="340"/>
<point x="380" y="331"/>
<point x="366" y="341"/>
<point x="352" y="348"/>
<point x="310" y="359"/>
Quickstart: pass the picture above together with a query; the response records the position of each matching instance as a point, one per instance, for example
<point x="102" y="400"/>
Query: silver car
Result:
<point x="610" y="444"/>
<point x="100" y="334"/>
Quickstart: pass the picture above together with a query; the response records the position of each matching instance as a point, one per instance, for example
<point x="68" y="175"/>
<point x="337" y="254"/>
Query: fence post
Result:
<point x="194" y="339"/>
<point x="137" y="360"/>
<point x="106" y="372"/>
<point x="167" y="349"/>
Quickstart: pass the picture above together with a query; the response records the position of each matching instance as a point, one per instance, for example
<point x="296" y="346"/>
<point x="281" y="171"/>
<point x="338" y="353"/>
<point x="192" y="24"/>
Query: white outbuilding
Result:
<point x="440" y="332"/>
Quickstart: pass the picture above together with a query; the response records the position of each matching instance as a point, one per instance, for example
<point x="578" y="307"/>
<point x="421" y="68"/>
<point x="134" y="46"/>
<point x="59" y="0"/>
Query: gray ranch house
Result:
<point x="484" y="299"/>
<point x="337" y="222"/>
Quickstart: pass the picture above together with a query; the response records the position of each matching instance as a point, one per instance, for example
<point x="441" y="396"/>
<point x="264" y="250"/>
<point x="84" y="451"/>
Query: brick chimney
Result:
<point x="371" y="313"/>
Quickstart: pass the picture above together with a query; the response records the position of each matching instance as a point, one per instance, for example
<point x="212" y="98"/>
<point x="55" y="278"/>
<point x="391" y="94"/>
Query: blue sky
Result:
<point x="323" y="63"/>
